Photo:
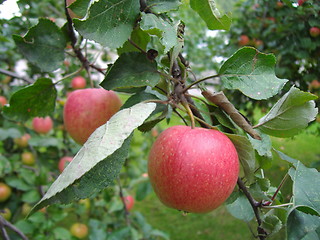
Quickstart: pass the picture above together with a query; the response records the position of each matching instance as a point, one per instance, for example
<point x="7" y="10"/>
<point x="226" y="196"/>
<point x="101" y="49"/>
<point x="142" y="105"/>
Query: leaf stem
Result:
<point x="199" y="81"/>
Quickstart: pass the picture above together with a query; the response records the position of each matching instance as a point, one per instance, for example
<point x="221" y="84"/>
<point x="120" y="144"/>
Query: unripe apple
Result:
<point x="6" y="213"/>
<point x="22" y="141"/>
<point x="193" y="170"/>
<point x="3" y="101"/>
<point x="28" y="158"/>
<point x="79" y="230"/>
<point x="129" y="201"/>
<point x="87" y="109"/>
<point x="86" y="203"/>
<point x="63" y="162"/>
<point x="25" y="209"/>
<point x="42" y="125"/>
<point x="244" y="40"/>
<point x="314" y="32"/>
<point x="5" y="192"/>
<point x="78" y="82"/>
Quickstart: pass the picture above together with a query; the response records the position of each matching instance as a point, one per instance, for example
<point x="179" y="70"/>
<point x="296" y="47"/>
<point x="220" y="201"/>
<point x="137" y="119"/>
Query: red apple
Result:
<point x="301" y="2"/>
<point x="42" y="125"/>
<point x="193" y="170"/>
<point x="28" y="158"/>
<point x="87" y="109"/>
<point x="279" y="5"/>
<point x="3" y="101"/>
<point x="22" y="141"/>
<point x="244" y="40"/>
<point x="79" y="230"/>
<point x="78" y="82"/>
<point x="5" y="192"/>
<point x="314" y="31"/>
<point x="64" y="161"/>
<point x="129" y="201"/>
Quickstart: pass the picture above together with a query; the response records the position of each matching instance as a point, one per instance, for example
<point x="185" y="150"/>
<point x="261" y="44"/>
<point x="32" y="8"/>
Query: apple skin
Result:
<point x="79" y="230"/>
<point x="129" y="201"/>
<point x="193" y="170"/>
<point x="42" y="125"/>
<point x="6" y="213"/>
<point x="87" y="109"/>
<point x="22" y="141"/>
<point x="78" y="82"/>
<point x="5" y="192"/>
<point x="28" y="158"/>
<point x="63" y="161"/>
<point x="3" y="101"/>
<point x="244" y="40"/>
<point x="314" y="32"/>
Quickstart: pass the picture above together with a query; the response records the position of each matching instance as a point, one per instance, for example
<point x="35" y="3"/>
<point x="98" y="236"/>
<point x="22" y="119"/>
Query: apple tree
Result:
<point x="142" y="45"/>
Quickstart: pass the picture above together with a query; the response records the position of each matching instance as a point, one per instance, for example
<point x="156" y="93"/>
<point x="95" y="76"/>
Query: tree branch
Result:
<point x="14" y="75"/>
<point x="5" y="223"/>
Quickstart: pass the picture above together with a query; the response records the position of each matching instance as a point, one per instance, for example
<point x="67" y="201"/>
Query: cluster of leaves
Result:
<point x="151" y="69"/>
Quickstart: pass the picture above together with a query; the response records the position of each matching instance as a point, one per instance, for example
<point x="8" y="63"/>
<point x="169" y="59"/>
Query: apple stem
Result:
<point x="187" y="107"/>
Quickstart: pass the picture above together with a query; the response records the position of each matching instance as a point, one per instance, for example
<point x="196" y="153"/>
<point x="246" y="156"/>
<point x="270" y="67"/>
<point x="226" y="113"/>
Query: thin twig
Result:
<point x="199" y="81"/>
<point x="14" y="75"/>
<point x="126" y="211"/>
<point x="7" y="224"/>
<point x="137" y="47"/>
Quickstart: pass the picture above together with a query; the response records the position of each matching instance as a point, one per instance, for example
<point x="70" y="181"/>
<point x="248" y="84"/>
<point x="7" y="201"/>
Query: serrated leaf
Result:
<point x="157" y="26"/>
<point x="251" y="72"/>
<point x="138" y="72"/>
<point x="290" y="114"/>
<point x="245" y="153"/>
<point x="80" y="7"/>
<point x="210" y="14"/>
<point x="262" y="146"/>
<point x="162" y="6"/>
<point x="305" y="193"/>
<point x="239" y="207"/>
<point x="139" y="37"/>
<point x="43" y="45"/>
<point x="110" y="23"/>
<point x="100" y="159"/>
<point x="300" y="225"/>
<point x="36" y="100"/>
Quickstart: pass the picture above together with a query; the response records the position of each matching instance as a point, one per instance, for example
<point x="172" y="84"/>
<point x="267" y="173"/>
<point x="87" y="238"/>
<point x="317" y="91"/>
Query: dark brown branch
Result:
<point x="5" y="223"/>
<point x="255" y="206"/>
<point x="14" y="75"/>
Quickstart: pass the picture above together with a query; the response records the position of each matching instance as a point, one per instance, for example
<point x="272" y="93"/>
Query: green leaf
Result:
<point x="138" y="72"/>
<point x="290" y="114"/>
<point x="262" y="146"/>
<point x="10" y="132"/>
<point x="252" y="72"/>
<point x="80" y="7"/>
<point x="34" y="100"/>
<point x="139" y="37"/>
<point x="43" y="45"/>
<point x="239" y="207"/>
<point x="61" y="233"/>
<point x="110" y="23"/>
<point x="210" y="14"/>
<point x="100" y="159"/>
<point x="30" y="196"/>
<point x="157" y="26"/>
<point x="162" y="6"/>
<point x="245" y="153"/>
<point x="300" y="225"/>
<point x="306" y="186"/>
<point x="271" y="224"/>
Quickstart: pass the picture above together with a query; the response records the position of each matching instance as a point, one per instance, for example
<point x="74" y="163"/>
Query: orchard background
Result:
<point x="168" y="60"/>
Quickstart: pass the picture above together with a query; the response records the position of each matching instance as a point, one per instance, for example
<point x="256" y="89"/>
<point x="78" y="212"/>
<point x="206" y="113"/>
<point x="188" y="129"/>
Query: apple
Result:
<point x="193" y="170"/>
<point x="314" y="32"/>
<point x="25" y="209"/>
<point x="78" y="82"/>
<point x="301" y="2"/>
<point x="87" y="109"/>
<point x="64" y="161"/>
<point x="3" y="101"/>
<point x="22" y="141"/>
<point x="5" y="192"/>
<point x="42" y="125"/>
<point x="129" y="201"/>
<point x="85" y="202"/>
<point x="279" y="5"/>
<point x="28" y="158"/>
<point x="244" y="40"/>
<point x="79" y="230"/>
<point x="6" y="213"/>
<point x="257" y="43"/>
